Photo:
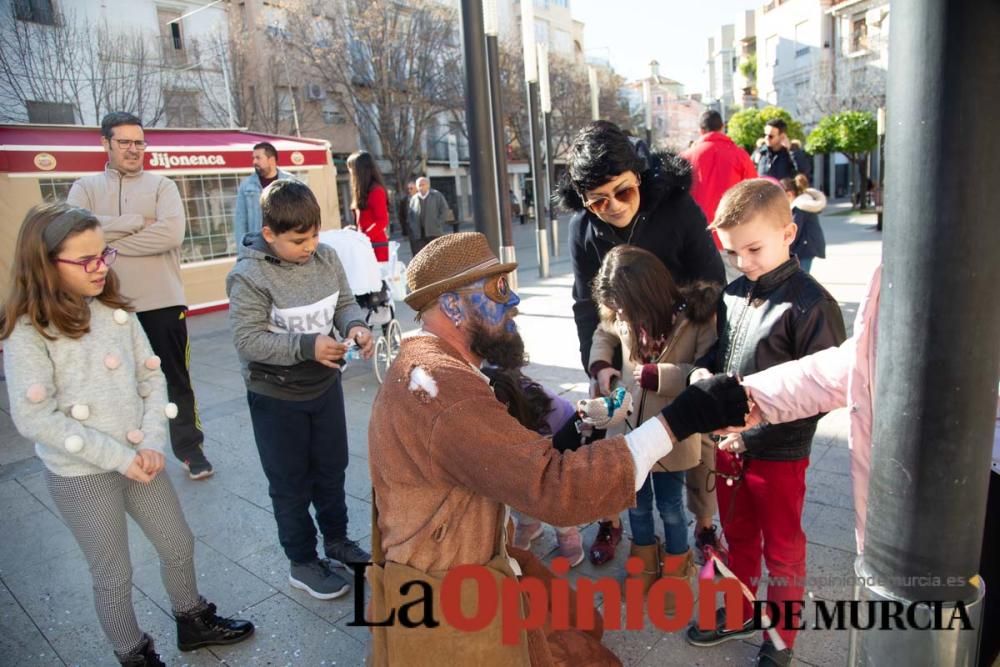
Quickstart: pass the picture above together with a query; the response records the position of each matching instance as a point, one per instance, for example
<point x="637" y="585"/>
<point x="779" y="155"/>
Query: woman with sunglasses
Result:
<point x="620" y="194"/>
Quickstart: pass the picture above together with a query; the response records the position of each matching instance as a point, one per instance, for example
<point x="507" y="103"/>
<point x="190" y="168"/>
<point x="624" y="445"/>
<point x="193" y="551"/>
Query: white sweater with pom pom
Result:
<point x="88" y="403"/>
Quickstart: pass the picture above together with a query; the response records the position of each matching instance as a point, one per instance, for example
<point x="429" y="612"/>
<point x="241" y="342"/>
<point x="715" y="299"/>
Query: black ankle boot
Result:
<point x="205" y="628"/>
<point x="144" y="656"/>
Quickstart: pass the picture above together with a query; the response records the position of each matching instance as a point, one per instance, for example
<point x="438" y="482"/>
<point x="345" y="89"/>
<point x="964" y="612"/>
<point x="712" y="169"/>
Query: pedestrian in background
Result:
<point x="86" y="388"/>
<point x="619" y="194"/>
<point x="807" y="203"/>
<point x="246" y="217"/>
<point x="717" y="164"/>
<point x="428" y="213"/>
<point x="775" y="159"/>
<point x="369" y="202"/>
<point x="143" y="220"/>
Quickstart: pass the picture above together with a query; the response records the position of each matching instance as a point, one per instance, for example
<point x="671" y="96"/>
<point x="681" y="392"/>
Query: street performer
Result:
<point x="447" y="461"/>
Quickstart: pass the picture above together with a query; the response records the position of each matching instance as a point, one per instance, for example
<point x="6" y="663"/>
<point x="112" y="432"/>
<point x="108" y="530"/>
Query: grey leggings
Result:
<point x="94" y="508"/>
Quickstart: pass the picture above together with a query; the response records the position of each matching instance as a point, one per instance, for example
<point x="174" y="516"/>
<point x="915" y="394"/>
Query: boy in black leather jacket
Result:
<point x="774" y="312"/>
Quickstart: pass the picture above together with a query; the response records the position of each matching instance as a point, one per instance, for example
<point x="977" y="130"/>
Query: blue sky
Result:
<point x="674" y="32"/>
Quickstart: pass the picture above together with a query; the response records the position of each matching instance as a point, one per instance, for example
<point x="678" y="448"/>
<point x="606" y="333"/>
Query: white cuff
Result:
<point x="648" y="444"/>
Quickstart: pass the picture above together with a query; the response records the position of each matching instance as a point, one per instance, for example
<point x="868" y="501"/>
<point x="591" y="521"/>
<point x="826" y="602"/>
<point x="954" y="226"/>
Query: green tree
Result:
<point x="853" y="134"/>
<point x="747" y="126"/>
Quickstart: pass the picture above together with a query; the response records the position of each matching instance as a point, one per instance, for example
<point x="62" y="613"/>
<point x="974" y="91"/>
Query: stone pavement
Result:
<point x="46" y="612"/>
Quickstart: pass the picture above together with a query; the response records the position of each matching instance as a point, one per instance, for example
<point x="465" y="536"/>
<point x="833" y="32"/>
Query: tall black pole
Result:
<point x="507" y="253"/>
<point x="538" y="181"/>
<point x="485" y="209"/>
<point x="550" y="182"/>
<point x="938" y="328"/>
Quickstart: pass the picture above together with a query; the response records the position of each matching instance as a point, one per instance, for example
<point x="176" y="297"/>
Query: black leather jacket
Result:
<point x="782" y="316"/>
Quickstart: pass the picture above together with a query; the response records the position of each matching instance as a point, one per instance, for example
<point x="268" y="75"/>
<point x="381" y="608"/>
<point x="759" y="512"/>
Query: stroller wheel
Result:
<point x="382" y="358"/>
<point x="394" y="336"/>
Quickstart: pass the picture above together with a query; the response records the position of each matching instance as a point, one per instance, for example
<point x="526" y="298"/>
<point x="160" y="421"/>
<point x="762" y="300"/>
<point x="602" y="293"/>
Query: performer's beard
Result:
<point x="498" y="346"/>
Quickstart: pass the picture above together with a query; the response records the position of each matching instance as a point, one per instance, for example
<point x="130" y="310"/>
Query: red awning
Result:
<point x="57" y="150"/>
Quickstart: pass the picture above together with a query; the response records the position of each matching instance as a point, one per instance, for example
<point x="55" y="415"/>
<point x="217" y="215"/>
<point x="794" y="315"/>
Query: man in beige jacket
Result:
<point x="143" y="218"/>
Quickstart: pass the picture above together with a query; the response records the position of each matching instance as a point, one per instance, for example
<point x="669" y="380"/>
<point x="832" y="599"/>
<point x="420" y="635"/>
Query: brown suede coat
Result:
<point x="445" y="457"/>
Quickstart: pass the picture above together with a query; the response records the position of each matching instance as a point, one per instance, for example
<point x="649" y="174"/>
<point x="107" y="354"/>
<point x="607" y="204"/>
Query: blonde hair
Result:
<point x="751" y="198"/>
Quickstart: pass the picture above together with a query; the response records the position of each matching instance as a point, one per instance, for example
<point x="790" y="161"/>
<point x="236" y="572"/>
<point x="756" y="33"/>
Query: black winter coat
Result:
<point x="809" y="240"/>
<point x="669" y="224"/>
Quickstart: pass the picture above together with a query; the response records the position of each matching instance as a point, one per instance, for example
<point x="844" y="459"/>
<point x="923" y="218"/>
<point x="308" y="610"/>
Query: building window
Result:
<point x="859" y="33"/>
<point x="332" y="115"/>
<point x="36" y="11"/>
<point x="50" y="112"/>
<point x="171" y="39"/>
<point x="562" y="42"/>
<point x="55" y="189"/>
<point x="541" y="31"/>
<point x="659" y="100"/>
<point x="288" y="102"/>
<point x="771" y="50"/>
<point x="801" y="39"/>
<point x="181" y="108"/>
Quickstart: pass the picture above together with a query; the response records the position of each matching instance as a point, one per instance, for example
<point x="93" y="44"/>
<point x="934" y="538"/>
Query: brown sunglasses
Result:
<point x="627" y="196"/>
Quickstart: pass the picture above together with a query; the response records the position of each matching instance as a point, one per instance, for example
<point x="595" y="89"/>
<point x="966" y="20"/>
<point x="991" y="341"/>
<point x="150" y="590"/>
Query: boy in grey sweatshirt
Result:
<point x="287" y="296"/>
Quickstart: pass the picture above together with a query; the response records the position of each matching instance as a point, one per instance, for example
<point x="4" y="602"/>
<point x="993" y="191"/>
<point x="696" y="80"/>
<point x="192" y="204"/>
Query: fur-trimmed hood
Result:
<point x="667" y="175"/>
<point x="701" y="300"/>
<point x="812" y="201"/>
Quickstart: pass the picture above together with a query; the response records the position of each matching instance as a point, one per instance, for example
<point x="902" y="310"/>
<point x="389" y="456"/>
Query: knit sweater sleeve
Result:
<point x="32" y="388"/>
<point x="154" y="386"/>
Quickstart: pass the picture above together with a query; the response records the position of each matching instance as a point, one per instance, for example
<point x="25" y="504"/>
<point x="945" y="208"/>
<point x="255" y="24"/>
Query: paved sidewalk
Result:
<point x="46" y="612"/>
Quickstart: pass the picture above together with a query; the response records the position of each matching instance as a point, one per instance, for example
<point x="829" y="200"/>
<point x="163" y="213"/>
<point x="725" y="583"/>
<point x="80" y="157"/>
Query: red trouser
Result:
<point x="766" y="504"/>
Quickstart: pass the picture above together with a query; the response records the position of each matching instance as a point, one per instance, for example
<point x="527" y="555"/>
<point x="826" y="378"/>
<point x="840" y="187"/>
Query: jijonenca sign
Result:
<point x="506" y="599"/>
<point x="167" y="161"/>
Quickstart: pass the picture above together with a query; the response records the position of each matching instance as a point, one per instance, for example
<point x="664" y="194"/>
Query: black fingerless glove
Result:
<point x="706" y="406"/>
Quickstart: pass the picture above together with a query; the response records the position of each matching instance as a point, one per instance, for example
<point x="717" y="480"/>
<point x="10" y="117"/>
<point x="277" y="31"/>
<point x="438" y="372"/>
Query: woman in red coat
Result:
<point x="369" y="202"/>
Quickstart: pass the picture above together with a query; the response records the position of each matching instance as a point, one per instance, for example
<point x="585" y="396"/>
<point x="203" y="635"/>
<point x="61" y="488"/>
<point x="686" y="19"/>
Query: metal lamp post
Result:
<point x="531" y="79"/>
<point x="647" y="100"/>
<point x="491" y="26"/>
<point x="546" y="100"/>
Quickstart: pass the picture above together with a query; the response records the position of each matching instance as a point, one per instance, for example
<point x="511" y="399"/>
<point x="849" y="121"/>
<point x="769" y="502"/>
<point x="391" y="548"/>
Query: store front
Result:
<point x="40" y="162"/>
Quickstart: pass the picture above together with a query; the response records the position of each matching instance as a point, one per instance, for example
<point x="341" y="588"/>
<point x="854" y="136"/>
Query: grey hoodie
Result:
<point x="278" y="308"/>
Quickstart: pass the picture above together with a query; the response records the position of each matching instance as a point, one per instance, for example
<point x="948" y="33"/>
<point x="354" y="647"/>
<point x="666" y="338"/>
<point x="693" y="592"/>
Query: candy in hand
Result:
<point x="607" y="411"/>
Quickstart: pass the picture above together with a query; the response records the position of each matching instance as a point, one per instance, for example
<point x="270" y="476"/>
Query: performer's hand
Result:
<point x="699" y="374"/>
<point x="604" y="379"/>
<point x="753" y="418"/>
<point x="328" y="351"/>
<point x="733" y="444"/>
<point x="608" y="411"/>
<point x="363" y="337"/>
<point x="708" y="406"/>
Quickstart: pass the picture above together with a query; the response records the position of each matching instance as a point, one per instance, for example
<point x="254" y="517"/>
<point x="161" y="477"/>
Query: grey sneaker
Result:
<point x="343" y="551"/>
<point x="318" y="579"/>
<point x="197" y="465"/>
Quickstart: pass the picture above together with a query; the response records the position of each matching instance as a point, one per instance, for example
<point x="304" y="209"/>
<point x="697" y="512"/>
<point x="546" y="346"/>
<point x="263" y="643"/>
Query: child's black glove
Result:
<point x="707" y="406"/>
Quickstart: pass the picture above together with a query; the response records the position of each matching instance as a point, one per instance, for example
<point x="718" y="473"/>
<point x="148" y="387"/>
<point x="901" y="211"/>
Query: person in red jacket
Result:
<point x="369" y="202"/>
<point x="718" y="165"/>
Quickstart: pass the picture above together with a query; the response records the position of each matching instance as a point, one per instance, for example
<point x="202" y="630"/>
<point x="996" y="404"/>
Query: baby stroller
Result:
<point x="368" y="279"/>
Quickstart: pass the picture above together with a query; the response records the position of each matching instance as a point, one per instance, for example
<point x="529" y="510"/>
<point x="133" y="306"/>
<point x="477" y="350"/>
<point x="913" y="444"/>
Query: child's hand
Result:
<point x="604" y="379"/>
<point x="733" y="444"/>
<point x="363" y="337"/>
<point x="135" y="471"/>
<point x="328" y="351"/>
<point x="152" y="461"/>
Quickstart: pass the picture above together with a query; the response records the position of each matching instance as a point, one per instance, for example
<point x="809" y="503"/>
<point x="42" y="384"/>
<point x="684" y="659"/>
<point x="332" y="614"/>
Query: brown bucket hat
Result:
<point x="450" y="262"/>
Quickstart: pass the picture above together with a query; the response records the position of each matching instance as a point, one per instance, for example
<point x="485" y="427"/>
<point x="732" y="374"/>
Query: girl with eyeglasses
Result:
<point x="85" y="386"/>
<point x="620" y="193"/>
